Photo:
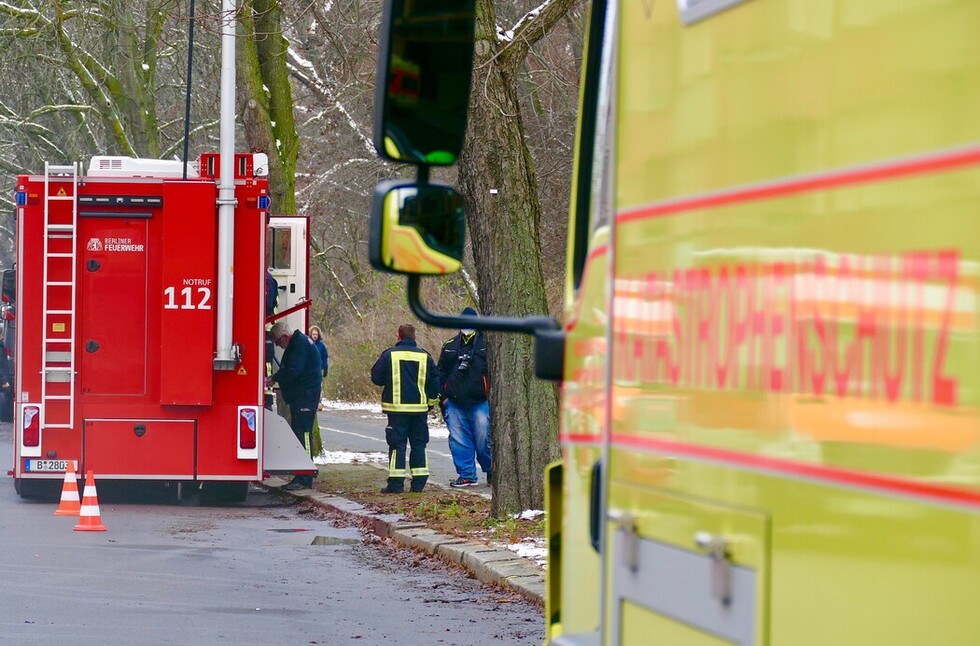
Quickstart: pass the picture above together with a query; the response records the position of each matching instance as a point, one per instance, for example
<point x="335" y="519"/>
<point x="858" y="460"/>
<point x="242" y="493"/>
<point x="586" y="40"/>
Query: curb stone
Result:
<point x="423" y="539"/>
<point x="488" y="564"/>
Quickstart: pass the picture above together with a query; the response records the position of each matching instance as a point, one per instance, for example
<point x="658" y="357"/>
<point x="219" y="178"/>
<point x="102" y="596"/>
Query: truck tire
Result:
<point x="37" y="489"/>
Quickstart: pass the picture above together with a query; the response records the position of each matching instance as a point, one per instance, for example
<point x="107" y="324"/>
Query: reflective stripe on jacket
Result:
<point x="409" y="378"/>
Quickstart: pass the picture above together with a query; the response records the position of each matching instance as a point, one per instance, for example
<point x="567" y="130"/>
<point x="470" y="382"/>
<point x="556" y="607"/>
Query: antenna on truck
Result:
<point x="187" y="101"/>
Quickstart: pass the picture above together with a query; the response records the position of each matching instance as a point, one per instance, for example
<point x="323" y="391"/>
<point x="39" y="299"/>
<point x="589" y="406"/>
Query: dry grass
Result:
<point x="457" y="513"/>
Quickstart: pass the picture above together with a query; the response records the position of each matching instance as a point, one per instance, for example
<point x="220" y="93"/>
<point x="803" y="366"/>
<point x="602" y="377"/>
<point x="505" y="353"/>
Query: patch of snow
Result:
<point x="348" y="457"/>
<point x="438" y="429"/>
<point x="299" y="59"/>
<point x="504" y="35"/>
<point x="329" y="404"/>
<point x="529" y="514"/>
<point x="531" y="548"/>
<point x="507" y="35"/>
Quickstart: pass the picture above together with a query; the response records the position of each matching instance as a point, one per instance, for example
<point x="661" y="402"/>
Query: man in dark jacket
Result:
<point x="463" y="395"/>
<point x="299" y="378"/>
<point x="403" y="371"/>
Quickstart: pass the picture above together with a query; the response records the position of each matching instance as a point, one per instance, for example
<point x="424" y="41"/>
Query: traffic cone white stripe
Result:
<point x="69" y="493"/>
<point x="89" y="518"/>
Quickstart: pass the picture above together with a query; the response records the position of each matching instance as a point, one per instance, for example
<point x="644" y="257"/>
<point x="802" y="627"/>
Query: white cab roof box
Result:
<point x="106" y="166"/>
<point x="260" y="164"/>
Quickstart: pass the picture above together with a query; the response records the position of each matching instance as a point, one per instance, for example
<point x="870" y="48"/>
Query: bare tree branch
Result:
<point x="529" y="30"/>
<point x="303" y="71"/>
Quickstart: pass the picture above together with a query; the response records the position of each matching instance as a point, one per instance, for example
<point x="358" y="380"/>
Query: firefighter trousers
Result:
<point x="404" y="429"/>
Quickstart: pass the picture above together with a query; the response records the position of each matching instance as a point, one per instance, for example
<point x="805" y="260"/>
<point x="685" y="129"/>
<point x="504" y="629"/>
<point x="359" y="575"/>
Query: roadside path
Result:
<point x="355" y="433"/>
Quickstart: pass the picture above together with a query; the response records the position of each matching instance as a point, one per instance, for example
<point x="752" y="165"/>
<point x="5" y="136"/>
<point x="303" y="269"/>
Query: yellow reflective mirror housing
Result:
<point x="417" y="229"/>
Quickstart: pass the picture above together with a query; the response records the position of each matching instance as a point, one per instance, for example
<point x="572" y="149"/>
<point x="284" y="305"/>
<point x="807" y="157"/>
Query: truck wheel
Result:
<point x="37" y="489"/>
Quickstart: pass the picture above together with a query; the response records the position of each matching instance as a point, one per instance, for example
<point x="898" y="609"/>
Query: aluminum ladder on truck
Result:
<point x="58" y="299"/>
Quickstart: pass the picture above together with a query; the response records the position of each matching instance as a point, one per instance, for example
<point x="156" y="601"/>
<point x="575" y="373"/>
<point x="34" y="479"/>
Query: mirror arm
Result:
<point x="526" y="325"/>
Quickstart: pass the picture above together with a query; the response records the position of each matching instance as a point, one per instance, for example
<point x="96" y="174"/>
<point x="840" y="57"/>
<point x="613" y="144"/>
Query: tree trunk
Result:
<point x="265" y="97"/>
<point x="497" y="175"/>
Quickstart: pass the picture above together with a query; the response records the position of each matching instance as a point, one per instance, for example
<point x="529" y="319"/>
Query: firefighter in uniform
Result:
<point x="410" y="387"/>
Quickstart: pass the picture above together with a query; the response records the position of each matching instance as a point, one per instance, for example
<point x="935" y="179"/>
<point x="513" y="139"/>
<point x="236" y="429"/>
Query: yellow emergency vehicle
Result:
<point x="770" y="429"/>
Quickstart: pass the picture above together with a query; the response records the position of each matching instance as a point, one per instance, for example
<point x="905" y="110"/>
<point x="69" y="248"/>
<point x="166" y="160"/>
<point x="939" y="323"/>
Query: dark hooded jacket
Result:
<point x="299" y="375"/>
<point x="463" y="369"/>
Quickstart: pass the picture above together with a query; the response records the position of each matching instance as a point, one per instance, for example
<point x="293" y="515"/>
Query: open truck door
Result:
<point x="287" y="252"/>
<point x="288" y="259"/>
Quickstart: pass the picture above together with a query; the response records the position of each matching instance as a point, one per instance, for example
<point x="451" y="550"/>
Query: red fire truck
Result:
<point x="121" y="298"/>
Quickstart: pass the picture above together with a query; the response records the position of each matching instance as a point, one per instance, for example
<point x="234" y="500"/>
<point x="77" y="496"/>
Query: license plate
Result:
<point x="45" y="465"/>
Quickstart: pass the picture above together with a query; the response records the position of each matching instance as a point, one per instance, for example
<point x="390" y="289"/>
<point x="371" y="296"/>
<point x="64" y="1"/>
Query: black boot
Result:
<point x="395" y="485"/>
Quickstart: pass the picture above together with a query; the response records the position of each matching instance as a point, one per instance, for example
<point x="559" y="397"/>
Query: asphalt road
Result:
<point x="244" y="574"/>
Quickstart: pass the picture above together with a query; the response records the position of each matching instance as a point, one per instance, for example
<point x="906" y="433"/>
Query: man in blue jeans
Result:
<point x="463" y="396"/>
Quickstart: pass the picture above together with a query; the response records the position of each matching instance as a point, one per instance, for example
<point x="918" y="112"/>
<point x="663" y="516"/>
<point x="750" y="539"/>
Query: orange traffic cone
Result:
<point x="69" y="493"/>
<point x="89" y="518"/>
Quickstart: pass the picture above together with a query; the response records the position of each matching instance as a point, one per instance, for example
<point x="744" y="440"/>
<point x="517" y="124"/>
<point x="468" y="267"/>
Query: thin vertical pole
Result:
<point x="187" y="103"/>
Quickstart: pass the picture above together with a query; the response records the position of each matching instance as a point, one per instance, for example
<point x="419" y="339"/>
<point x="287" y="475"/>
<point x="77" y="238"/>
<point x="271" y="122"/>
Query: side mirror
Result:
<point x="424" y="67"/>
<point x="416" y="228"/>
